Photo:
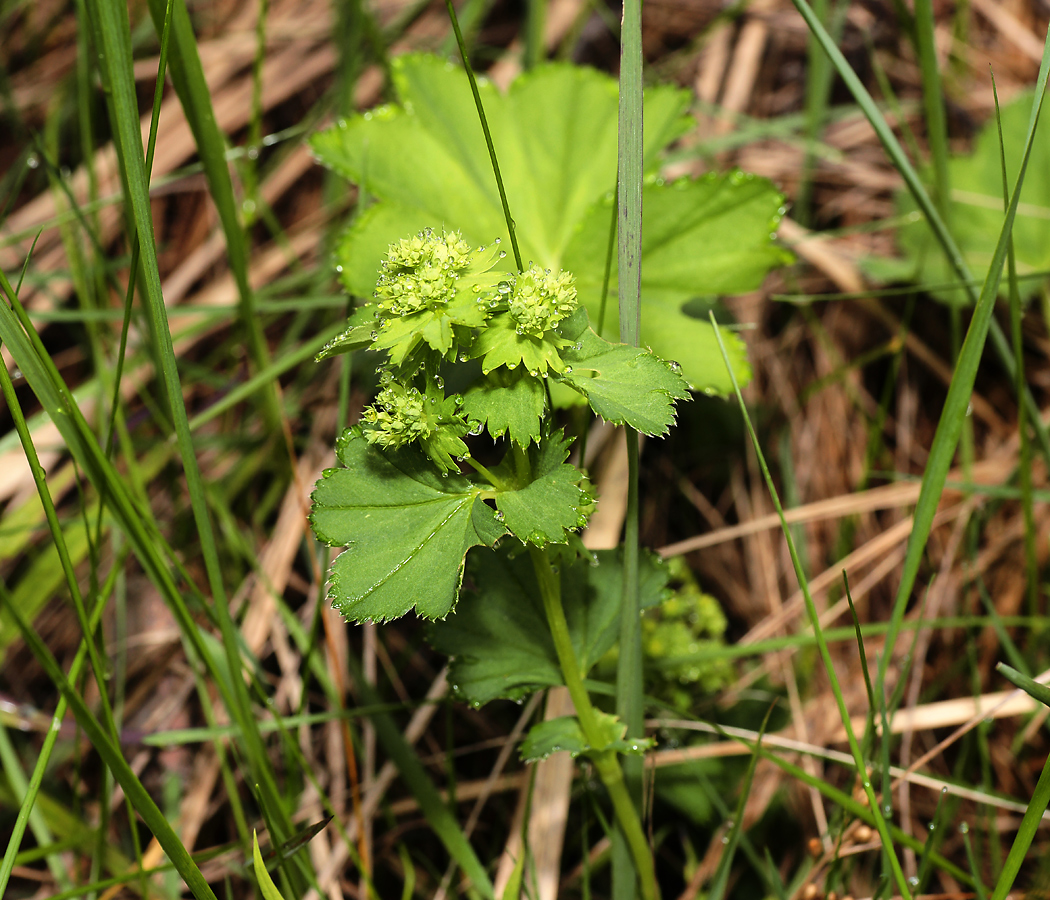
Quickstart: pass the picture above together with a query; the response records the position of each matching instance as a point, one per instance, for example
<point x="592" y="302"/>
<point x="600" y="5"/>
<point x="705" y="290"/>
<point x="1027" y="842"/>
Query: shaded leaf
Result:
<point x="565" y="733"/>
<point x="499" y="639"/>
<point x="975" y="214"/>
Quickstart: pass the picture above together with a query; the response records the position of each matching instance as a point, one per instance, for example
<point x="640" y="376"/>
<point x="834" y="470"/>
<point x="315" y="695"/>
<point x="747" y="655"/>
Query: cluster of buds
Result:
<point x="541" y="300"/>
<point x="436" y="299"/>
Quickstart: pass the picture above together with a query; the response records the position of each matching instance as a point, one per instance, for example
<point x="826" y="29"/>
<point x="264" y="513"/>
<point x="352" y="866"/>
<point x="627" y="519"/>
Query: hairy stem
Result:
<point x="605" y="761"/>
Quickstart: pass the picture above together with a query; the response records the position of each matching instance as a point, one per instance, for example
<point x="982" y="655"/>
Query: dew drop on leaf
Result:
<point x="568" y="370"/>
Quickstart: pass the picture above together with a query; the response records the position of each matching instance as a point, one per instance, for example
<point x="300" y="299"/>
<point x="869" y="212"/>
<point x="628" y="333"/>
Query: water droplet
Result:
<point x="32" y="162"/>
<point x="248" y="206"/>
<point x="339" y="269"/>
<point x="499" y="515"/>
<point x="675" y="366"/>
<point x="375" y="335"/>
<point x="964" y="828"/>
<point x="439" y="382"/>
<point x="887" y="809"/>
<point x="463" y="357"/>
<point x="253" y="153"/>
<point x="502" y="254"/>
<point x="568" y="370"/>
<point x="913" y="881"/>
<point x="725" y="838"/>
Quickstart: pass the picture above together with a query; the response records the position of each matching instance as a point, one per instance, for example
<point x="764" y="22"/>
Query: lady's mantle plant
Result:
<point x="542" y="609"/>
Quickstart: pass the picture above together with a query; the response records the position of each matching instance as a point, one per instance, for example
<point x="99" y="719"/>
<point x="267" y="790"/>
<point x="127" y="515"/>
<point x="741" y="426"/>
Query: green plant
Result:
<point x="540" y="610"/>
<point x="407" y="516"/>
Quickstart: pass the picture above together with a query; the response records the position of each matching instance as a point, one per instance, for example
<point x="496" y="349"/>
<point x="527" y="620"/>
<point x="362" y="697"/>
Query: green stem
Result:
<point x="605" y="761"/>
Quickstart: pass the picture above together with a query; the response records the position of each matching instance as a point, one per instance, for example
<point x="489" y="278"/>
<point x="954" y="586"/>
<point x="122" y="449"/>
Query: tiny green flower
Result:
<point x="402" y="414"/>
<point x="541" y="300"/>
<point x="397" y="418"/>
<point x="526" y="333"/>
<point x="433" y="288"/>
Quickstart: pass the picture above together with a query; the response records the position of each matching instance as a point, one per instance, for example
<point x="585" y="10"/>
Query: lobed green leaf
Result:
<point x="552" y="503"/>
<point x="624" y="384"/>
<point x="406" y="530"/>
<point x="554" y="132"/>
<point x="508" y="402"/>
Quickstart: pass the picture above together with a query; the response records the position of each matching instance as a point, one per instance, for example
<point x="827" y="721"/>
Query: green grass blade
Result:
<point x="630" y="706"/>
<point x="720" y="882"/>
<point x="114" y="760"/>
<point x="465" y="57"/>
<point x="1025" y="833"/>
<point x="187" y="75"/>
<point x="933" y="103"/>
<point x="922" y="199"/>
<point x="1025" y="449"/>
<point x="822" y="645"/>
<point x="114" y="40"/>
<point x="1030" y="686"/>
<point x="953" y="415"/>
<point x="437" y="813"/>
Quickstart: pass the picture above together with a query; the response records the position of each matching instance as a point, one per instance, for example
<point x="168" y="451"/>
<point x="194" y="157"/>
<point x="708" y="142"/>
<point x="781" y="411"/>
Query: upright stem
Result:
<point x="605" y="761"/>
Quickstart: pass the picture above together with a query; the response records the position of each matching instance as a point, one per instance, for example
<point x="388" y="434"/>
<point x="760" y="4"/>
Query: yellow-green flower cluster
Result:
<point x="541" y="300"/>
<point x="397" y="418"/>
<point x="422" y="272"/>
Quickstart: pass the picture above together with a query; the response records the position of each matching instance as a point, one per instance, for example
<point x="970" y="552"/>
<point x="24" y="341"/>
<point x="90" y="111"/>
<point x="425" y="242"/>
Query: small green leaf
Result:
<point x="510" y="403"/>
<point x="266" y="885"/>
<point x="358" y="334"/>
<point x="499" y="640"/>
<point x="565" y="733"/>
<point x="406" y="530"/>
<point x="549" y="506"/>
<point x="624" y="384"/>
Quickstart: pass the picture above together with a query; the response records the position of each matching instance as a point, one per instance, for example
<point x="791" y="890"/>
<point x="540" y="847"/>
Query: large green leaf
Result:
<point x="975" y="215"/>
<point x="499" y="639"/>
<point x="554" y="133"/>
<point x="406" y="530"/>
